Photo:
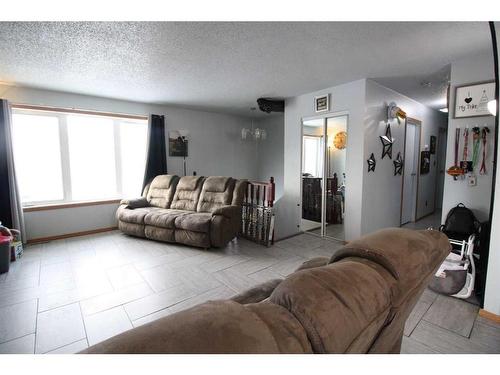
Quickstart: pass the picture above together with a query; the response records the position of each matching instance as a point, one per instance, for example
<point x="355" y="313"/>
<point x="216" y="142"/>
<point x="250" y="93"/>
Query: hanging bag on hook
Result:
<point x="484" y="136"/>
<point x="476" y="145"/>
<point x="455" y="170"/>
<point x="466" y="164"/>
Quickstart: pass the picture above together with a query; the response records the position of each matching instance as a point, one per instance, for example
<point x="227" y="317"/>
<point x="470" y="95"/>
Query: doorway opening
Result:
<point x="409" y="199"/>
<point x="422" y="160"/>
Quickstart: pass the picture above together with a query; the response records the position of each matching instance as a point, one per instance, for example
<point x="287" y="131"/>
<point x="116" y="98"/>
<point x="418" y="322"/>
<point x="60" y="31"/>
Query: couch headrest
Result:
<point x="163" y="181"/>
<point x="217" y="327"/>
<point x="189" y="182"/>
<point x="161" y="190"/>
<point x="216" y="184"/>
<point x="409" y="255"/>
<point x="336" y="303"/>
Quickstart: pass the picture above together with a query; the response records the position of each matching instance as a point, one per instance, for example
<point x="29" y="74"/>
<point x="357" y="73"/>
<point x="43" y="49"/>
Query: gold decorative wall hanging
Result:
<point x="340" y="140"/>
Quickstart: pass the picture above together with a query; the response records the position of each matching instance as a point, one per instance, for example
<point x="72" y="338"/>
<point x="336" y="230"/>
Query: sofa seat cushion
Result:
<point x="195" y="222"/>
<point x="135" y="216"/>
<point x="159" y="234"/>
<point x="131" y="229"/>
<point x="190" y="238"/>
<point x="164" y="218"/>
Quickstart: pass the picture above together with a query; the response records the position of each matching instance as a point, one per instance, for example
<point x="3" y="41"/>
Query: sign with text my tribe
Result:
<point x="472" y="100"/>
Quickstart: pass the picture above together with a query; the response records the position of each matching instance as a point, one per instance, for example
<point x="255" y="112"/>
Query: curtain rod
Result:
<point x="78" y="111"/>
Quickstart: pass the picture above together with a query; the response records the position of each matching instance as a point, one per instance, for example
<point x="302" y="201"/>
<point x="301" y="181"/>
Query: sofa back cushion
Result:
<point x="336" y="304"/>
<point x="216" y="327"/>
<point x="187" y="193"/>
<point x="240" y="189"/>
<point x="161" y="190"/>
<point x="217" y="192"/>
<point x="410" y="256"/>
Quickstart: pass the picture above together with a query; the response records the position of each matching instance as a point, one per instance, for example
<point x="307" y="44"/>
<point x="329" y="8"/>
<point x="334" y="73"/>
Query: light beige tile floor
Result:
<point x="65" y="295"/>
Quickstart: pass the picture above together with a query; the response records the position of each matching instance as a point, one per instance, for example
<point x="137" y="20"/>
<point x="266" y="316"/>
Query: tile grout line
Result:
<point x="62" y="346"/>
<point x="84" y="325"/>
<point x="425" y="312"/>
<point x="449" y="330"/>
<point x="16" y="338"/>
<point x="36" y="326"/>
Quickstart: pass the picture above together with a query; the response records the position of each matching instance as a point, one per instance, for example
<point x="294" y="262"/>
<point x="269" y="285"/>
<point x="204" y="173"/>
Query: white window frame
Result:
<point x="319" y="153"/>
<point x="64" y="149"/>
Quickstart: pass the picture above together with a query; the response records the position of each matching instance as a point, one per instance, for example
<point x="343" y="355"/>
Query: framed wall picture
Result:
<point x="177" y="145"/>
<point x="322" y="103"/>
<point x="425" y="162"/>
<point x="432" y="146"/>
<point x="472" y="100"/>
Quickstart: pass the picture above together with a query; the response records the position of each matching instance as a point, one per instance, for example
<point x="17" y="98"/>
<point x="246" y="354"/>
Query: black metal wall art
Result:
<point x="425" y="162"/>
<point x="387" y="142"/>
<point x="432" y="144"/>
<point x="372" y="163"/>
<point x="398" y="165"/>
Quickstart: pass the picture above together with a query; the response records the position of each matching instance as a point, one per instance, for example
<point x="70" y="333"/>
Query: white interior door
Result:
<point x="409" y="200"/>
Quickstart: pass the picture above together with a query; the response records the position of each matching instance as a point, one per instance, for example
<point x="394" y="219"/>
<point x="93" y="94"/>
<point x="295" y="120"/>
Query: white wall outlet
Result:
<point x="472" y="180"/>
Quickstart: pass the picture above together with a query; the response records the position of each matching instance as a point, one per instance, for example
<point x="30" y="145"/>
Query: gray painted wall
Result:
<point x="270" y="154"/>
<point x="215" y="148"/>
<point x="348" y="98"/>
<point x="373" y="200"/>
<point x="471" y="70"/>
<point x="382" y="190"/>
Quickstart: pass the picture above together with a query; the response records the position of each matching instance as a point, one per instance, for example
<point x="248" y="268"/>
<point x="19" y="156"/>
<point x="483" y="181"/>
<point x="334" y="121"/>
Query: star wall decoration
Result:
<point x="398" y="165"/>
<point x="371" y="163"/>
<point x="387" y="142"/>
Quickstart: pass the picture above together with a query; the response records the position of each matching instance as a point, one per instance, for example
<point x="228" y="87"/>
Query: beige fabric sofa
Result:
<point x="192" y="210"/>
<point x="357" y="301"/>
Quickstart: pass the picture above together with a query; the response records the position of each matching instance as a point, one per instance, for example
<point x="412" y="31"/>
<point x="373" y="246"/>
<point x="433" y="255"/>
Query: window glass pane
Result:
<point x="91" y="157"/>
<point x="133" y="144"/>
<point x="37" y="157"/>
<point x="312" y="156"/>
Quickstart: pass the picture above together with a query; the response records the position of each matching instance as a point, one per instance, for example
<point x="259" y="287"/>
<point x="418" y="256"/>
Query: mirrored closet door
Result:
<point x="323" y="176"/>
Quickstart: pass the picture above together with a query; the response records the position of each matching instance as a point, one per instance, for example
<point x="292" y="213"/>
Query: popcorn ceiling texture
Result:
<point x="223" y="66"/>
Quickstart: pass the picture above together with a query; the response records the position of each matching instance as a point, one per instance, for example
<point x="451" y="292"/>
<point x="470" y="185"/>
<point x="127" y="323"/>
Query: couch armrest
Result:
<point x="258" y="293"/>
<point x="135" y="203"/>
<point x="313" y="263"/>
<point x="230" y="212"/>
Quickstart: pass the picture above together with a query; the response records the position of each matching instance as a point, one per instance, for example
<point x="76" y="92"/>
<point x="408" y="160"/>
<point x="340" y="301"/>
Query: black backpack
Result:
<point x="460" y="223"/>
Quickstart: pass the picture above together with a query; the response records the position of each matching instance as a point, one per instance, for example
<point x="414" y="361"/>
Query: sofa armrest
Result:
<point x="135" y="203"/>
<point x="313" y="263"/>
<point x="258" y="293"/>
<point x="230" y="212"/>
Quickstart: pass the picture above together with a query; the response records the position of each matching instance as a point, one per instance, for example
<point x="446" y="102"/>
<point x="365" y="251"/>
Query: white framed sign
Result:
<point x="322" y="103"/>
<point x="472" y="100"/>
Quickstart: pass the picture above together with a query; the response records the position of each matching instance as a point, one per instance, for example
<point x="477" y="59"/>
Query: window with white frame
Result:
<point x="69" y="157"/>
<point x="312" y="156"/>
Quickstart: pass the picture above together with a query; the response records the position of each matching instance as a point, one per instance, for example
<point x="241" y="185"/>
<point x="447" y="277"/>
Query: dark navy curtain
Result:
<point x="156" y="159"/>
<point x="5" y="208"/>
<point x="11" y="213"/>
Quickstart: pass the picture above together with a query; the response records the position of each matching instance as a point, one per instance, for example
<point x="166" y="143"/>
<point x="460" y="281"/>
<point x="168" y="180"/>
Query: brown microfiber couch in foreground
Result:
<point x="355" y="302"/>
<point x="192" y="210"/>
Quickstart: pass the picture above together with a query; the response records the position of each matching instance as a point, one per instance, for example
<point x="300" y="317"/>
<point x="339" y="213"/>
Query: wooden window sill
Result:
<point x="57" y="206"/>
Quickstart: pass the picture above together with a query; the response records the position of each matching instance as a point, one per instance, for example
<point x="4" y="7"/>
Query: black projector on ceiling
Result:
<point x="271" y="105"/>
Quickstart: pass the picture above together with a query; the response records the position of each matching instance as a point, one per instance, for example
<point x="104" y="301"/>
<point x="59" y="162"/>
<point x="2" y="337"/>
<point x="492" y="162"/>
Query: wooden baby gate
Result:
<point x="258" y="212"/>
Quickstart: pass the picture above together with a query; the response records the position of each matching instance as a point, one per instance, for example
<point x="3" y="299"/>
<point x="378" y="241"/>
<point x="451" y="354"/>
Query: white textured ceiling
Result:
<point x="227" y="66"/>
